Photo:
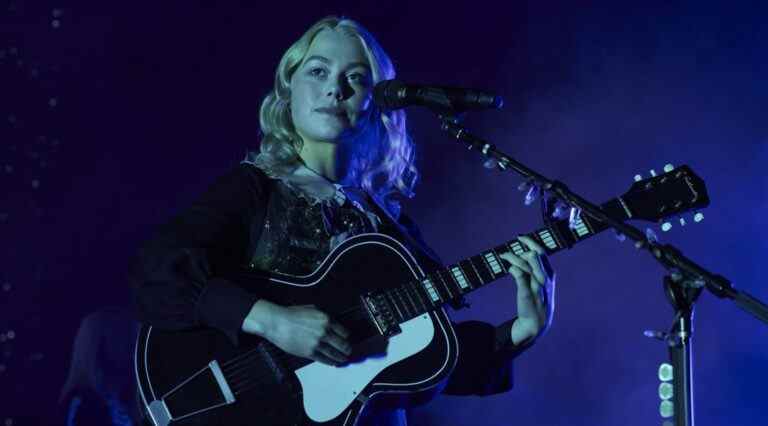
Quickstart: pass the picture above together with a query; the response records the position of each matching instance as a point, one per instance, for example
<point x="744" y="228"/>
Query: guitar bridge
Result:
<point x="381" y="313"/>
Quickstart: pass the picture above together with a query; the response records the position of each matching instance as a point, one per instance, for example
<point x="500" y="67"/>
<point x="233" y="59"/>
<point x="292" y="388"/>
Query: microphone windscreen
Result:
<point x="389" y="94"/>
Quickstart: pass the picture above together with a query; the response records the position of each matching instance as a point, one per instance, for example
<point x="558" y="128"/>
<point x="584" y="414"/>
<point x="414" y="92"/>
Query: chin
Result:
<point x="328" y="136"/>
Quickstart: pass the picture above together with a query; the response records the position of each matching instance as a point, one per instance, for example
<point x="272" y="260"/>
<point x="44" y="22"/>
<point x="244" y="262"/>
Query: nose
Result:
<point x="334" y="90"/>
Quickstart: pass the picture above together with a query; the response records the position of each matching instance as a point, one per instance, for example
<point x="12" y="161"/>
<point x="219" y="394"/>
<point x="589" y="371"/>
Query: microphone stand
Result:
<point x="683" y="283"/>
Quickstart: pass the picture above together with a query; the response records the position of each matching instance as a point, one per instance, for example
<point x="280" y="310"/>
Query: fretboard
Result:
<point x="449" y="284"/>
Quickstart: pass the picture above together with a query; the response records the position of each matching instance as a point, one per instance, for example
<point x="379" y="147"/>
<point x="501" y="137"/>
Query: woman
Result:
<point x="331" y="165"/>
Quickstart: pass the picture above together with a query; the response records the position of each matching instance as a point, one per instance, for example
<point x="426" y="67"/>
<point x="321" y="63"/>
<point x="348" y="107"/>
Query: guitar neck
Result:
<point x="449" y="284"/>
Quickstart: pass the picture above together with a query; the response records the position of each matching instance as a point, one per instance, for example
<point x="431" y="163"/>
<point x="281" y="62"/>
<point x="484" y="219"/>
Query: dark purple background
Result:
<point x="155" y="100"/>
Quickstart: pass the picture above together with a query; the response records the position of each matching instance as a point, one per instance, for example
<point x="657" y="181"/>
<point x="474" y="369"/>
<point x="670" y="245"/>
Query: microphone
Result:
<point x="394" y="94"/>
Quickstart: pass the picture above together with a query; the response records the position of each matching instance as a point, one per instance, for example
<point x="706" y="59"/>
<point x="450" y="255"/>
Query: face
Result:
<point x="331" y="88"/>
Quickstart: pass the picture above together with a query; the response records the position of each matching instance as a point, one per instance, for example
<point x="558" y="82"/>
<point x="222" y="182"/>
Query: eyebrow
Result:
<point x="327" y="61"/>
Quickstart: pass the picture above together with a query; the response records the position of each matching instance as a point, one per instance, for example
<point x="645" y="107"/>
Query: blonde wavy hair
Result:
<point x="382" y="160"/>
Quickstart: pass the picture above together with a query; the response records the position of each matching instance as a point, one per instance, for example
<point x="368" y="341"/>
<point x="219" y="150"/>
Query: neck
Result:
<point x="321" y="158"/>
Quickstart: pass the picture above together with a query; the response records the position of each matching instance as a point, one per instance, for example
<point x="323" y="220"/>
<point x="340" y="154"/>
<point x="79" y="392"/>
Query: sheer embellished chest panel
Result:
<point x="299" y="232"/>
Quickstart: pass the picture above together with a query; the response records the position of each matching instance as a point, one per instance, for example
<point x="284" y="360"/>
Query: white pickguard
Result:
<point x="329" y="390"/>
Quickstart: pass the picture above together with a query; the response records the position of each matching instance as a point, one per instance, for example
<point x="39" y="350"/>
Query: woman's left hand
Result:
<point x="535" y="291"/>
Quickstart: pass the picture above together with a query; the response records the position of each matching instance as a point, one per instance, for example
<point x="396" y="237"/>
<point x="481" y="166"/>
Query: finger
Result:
<point x="532" y="291"/>
<point x="339" y="329"/>
<point x="524" y="293"/>
<point x="532" y="259"/>
<point x="543" y="259"/>
<point x="516" y="261"/>
<point x="532" y="244"/>
<point x="528" y="304"/>
<point x="338" y="343"/>
<point x="325" y="359"/>
<point x="331" y="352"/>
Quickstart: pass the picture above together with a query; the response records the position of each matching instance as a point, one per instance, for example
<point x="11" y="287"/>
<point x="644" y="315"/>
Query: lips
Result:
<point x="332" y="111"/>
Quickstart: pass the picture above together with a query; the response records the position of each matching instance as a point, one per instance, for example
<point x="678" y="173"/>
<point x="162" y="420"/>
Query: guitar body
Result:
<point x="405" y="346"/>
<point x="197" y="377"/>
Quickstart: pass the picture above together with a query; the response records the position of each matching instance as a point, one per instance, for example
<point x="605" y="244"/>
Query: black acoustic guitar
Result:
<point x="405" y="347"/>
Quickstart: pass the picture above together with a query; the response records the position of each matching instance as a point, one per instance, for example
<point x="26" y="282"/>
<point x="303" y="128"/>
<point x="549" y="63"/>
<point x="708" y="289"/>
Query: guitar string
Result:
<point x="244" y="382"/>
<point x="237" y="368"/>
<point x="355" y="312"/>
<point x="247" y="381"/>
<point x="238" y="376"/>
<point x="240" y="381"/>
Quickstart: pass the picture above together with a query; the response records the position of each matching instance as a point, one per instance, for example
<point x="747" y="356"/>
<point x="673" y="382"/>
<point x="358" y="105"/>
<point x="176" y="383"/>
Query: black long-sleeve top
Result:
<point x="177" y="274"/>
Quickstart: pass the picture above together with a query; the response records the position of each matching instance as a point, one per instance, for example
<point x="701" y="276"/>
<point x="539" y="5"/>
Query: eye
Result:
<point x="358" y="78"/>
<point x="317" y="72"/>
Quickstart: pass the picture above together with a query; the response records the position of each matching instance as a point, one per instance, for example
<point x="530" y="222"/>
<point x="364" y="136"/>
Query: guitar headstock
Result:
<point x="676" y="191"/>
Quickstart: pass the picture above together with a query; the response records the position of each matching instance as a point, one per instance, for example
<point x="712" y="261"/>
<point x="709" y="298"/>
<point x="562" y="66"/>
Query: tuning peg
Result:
<point x="524" y="186"/>
<point x="574" y="218"/>
<point x="668" y="168"/>
<point x="651" y="236"/>
<point x="638" y="178"/>
<point x="530" y="197"/>
<point x="666" y="226"/>
<point x="653" y="172"/>
<point x="560" y="210"/>
<point x="619" y="236"/>
<point x="682" y="221"/>
<point x="490" y="163"/>
<point x="654" y="334"/>
<point x="698" y="217"/>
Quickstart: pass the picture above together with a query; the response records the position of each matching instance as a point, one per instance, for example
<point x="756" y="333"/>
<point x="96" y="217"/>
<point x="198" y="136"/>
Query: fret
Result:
<point x="556" y="232"/>
<point x="547" y="238"/>
<point x="502" y="265"/>
<point x="458" y="275"/>
<point x="485" y="271"/>
<point x="588" y="223"/>
<point x="435" y="289"/>
<point x="445" y="285"/>
<point x="480" y="281"/>
<point x="431" y="291"/>
<point x="493" y="262"/>
<point x="516" y="247"/>
<point x="458" y="289"/>
<point x="580" y="229"/>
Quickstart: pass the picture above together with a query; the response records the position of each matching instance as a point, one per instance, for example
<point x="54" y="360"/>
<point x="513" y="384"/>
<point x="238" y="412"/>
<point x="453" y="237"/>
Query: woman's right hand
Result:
<point x="302" y="331"/>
